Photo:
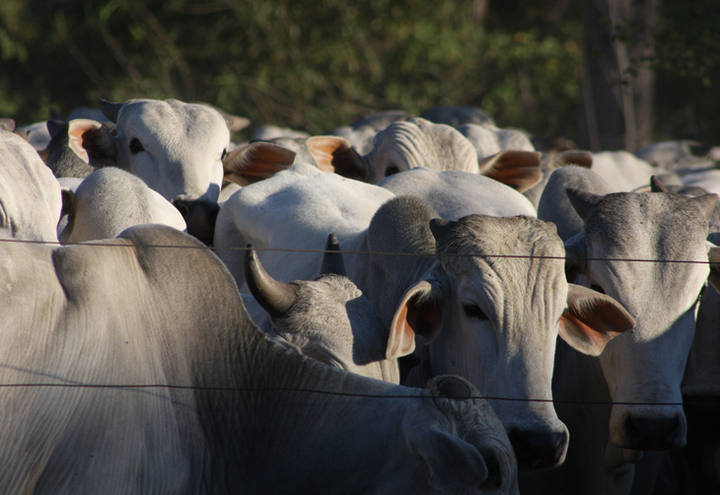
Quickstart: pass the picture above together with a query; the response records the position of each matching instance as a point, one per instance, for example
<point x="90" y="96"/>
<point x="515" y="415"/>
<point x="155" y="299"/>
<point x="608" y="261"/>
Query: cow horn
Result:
<point x="333" y="259"/>
<point x="274" y="296"/>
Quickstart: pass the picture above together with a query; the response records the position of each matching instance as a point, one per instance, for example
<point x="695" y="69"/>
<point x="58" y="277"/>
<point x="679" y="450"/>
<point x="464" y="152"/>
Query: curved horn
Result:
<point x="274" y="296"/>
<point x="333" y="259"/>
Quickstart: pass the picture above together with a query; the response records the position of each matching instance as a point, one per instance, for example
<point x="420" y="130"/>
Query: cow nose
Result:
<point x="659" y="433"/>
<point x="538" y="449"/>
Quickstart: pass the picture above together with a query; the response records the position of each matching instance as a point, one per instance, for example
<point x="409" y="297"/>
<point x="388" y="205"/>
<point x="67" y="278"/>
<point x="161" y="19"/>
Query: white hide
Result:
<point x="455" y="194"/>
<point x="30" y="200"/>
<point x="109" y="201"/>
<point x="641" y="371"/>
<point x="296" y="209"/>
<point x="175" y="147"/>
<point x="418" y="142"/>
<point x="489" y="139"/>
<point x="622" y="170"/>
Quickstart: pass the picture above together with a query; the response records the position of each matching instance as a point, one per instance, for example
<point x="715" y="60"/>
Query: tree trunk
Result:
<point x="618" y="81"/>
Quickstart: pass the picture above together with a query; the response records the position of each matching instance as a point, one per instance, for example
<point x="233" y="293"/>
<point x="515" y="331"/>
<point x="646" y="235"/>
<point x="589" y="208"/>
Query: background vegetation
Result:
<point x="317" y="65"/>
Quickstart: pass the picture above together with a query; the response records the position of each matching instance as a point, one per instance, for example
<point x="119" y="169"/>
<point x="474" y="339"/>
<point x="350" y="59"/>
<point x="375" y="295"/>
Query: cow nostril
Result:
<point x="652" y="433"/>
<point x="538" y="449"/>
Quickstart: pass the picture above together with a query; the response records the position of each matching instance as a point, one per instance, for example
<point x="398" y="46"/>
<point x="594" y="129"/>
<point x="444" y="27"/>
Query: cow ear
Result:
<point x="714" y="258"/>
<point x="518" y="169"/>
<point x="419" y="312"/>
<point x="91" y="141"/>
<point x="336" y="154"/>
<point x="583" y="202"/>
<point x="707" y="203"/>
<point x="592" y="319"/>
<point x="579" y="158"/>
<point x="575" y="256"/>
<point x="255" y="162"/>
<point x="234" y="123"/>
<point x="453" y="463"/>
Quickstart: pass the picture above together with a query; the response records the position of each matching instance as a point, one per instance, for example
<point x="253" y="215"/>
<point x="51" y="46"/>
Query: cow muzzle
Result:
<point x="539" y="449"/>
<point x="647" y="429"/>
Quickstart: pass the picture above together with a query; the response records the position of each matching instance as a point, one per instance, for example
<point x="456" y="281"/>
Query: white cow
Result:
<point x="424" y="293"/>
<point x="641" y="371"/>
<point x="417" y="142"/>
<point x="454" y="194"/>
<point x="490" y="139"/>
<point x="131" y="369"/>
<point x="622" y="170"/>
<point x="30" y="198"/>
<point x="110" y="200"/>
<point x="175" y="147"/>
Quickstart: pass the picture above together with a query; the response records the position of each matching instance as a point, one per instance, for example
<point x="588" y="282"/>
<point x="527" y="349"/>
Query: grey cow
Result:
<point x="639" y="372"/>
<point x="141" y="372"/>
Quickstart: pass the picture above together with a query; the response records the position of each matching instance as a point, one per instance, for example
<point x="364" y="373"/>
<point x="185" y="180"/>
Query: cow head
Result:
<point x="647" y="251"/>
<point x="494" y="319"/>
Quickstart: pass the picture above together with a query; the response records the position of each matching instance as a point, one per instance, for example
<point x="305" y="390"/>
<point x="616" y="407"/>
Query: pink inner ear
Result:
<point x="517" y="169"/>
<point x="76" y="129"/>
<point x="593" y="340"/>
<point x="401" y="340"/>
<point x="324" y="148"/>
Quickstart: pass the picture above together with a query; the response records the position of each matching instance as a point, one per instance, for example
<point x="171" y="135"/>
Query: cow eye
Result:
<point x="136" y="146"/>
<point x="474" y="311"/>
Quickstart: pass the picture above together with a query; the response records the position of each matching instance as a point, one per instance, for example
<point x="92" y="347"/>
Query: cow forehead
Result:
<point x="504" y="237"/>
<point x="172" y="121"/>
<point x="659" y="224"/>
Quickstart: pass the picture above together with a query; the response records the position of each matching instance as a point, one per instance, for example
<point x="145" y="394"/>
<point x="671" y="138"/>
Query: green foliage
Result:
<point x="317" y="65"/>
<point x="688" y="63"/>
<point x="306" y="65"/>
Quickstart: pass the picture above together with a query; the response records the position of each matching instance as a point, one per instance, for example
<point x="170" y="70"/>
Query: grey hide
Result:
<point x="353" y="338"/>
<point x="640" y="371"/>
<point x="297" y="208"/>
<point x="491" y="320"/>
<point x="554" y="205"/>
<point x="143" y="374"/>
<point x="65" y="155"/>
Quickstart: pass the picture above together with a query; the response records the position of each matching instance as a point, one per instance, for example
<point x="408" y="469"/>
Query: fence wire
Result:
<point x="101" y="244"/>
<point x="350" y="252"/>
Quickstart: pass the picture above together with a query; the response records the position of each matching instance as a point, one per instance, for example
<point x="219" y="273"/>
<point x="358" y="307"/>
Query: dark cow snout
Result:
<point x="655" y="433"/>
<point x="199" y="217"/>
<point x="538" y="449"/>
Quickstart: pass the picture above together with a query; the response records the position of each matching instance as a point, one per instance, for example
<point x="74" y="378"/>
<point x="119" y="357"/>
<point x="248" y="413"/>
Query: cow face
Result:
<point x="499" y="322"/>
<point x="623" y="233"/>
<point x="175" y="147"/>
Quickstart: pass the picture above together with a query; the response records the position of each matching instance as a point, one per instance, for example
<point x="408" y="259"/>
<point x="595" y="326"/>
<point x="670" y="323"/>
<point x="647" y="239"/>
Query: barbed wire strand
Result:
<point x="326" y="392"/>
<point x="333" y="393"/>
<point x="348" y="252"/>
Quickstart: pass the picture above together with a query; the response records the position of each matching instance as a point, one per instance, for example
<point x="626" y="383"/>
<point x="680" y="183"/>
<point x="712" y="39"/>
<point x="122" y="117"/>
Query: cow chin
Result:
<point x="645" y="428"/>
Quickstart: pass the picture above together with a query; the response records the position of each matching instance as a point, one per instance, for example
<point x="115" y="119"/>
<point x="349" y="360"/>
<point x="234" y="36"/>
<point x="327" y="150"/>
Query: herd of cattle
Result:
<point x="375" y="310"/>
